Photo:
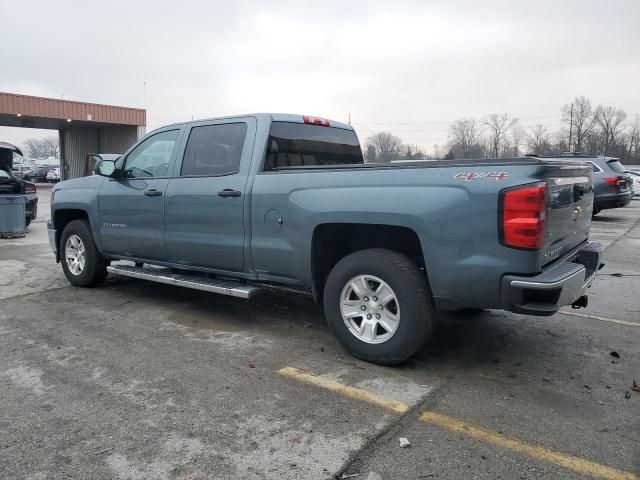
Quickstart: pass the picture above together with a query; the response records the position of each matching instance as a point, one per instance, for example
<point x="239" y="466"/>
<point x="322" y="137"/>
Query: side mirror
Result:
<point x="106" y="168"/>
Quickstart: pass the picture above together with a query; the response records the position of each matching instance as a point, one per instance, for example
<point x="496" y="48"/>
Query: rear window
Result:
<point x="616" y="166"/>
<point x="303" y="145"/>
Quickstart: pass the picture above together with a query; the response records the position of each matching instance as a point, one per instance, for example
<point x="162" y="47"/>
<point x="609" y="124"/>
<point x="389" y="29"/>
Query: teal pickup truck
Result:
<point x="238" y="204"/>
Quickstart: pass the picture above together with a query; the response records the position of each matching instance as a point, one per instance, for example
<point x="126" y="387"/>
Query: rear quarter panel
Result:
<point x="455" y="219"/>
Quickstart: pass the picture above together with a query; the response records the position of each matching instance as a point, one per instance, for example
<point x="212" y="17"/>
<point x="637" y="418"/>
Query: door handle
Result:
<point x="152" y="193"/>
<point x="228" y="192"/>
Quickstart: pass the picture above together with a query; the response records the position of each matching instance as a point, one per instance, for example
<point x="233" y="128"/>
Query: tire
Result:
<point x="27" y="221"/>
<point x="94" y="270"/>
<point x="413" y="304"/>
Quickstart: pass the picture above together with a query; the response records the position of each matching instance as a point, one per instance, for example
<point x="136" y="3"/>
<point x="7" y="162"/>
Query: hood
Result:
<point x="92" y="182"/>
<point x="6" y="154"/>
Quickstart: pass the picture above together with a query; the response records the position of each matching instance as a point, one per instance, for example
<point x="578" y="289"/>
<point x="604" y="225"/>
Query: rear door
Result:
<point x="206" y="201"/>
<point x="131" y="209"/>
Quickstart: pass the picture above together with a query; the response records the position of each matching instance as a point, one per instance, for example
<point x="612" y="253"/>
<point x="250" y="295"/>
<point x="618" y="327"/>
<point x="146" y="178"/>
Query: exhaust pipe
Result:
<point x="582" y="302"/>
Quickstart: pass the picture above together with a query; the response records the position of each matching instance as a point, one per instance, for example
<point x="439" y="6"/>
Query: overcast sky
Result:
<point x="409" y="67"/>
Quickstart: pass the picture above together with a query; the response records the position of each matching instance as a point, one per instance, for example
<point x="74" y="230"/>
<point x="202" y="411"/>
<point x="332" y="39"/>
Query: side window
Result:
<point x="595" y="167"/>
<point x="214" y="150"/>
<point x="151" y="158"/>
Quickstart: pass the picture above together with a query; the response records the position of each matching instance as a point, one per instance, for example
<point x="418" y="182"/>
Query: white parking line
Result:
<point x="602" y="319"/>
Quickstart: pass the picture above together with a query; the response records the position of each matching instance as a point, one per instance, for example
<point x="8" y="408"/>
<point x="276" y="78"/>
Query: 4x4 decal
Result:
<point x="469" y="176"/>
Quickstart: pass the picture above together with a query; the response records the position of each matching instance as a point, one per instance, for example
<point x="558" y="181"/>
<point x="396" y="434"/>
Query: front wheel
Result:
<point x="379" y="305"/>
<point x="81" y="262"/>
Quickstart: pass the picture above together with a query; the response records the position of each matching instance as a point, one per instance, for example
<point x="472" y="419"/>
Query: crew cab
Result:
<point x="238" y="204"/>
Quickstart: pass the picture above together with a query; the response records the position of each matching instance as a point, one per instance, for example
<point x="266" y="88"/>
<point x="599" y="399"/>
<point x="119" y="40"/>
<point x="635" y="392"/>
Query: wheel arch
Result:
<point x="61" y="219"/>
<point x="333" y="241"/>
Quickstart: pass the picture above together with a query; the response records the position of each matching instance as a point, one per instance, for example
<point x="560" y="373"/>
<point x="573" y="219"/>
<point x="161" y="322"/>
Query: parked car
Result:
<point x="18" y="171"/>
<point x="230" y="205"/>
<point x="635" y="182"/>
<point x="53" y="175"/>
<point x="612" y="185"/>
<point x="10" y="185"/>
<point x="38" y="174"/>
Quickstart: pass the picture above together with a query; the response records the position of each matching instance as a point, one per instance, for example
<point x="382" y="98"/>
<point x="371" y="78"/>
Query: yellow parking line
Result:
<point x="602" y="319"/>
<point x="345" y="390"/>
<point x="569" y="462"/>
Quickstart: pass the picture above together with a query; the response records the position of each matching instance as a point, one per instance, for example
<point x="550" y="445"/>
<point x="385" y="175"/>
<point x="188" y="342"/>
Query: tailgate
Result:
<point x="570" y="203"/>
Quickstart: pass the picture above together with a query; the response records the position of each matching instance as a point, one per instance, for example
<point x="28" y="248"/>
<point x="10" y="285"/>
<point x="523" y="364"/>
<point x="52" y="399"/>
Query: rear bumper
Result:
<point x="614" y="200"/>
<point x="561" y="284"/>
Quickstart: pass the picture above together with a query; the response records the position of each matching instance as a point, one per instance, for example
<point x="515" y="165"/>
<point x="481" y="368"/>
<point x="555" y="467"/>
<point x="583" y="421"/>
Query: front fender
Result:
<point x="83" y="197"/>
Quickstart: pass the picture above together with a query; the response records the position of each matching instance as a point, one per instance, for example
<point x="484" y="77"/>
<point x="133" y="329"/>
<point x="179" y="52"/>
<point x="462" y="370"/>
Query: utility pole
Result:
<point x="144" y="94"/>
<point x="571" y="128"/>
<point x="349" y="119"/>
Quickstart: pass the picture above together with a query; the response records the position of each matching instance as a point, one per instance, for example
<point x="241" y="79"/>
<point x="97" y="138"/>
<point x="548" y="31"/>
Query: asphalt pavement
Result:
<point x="134" y="380"/>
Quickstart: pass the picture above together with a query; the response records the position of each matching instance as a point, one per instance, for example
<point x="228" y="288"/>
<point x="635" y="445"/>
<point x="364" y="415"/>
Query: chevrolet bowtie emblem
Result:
<point x="577" y="213"/>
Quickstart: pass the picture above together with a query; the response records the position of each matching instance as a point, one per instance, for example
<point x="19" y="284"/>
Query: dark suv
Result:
<point x="612" y="184"/>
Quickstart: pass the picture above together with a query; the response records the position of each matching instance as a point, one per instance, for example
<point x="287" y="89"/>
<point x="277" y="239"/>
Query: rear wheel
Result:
<point x="379" y="305"/>
<point x="81" y="262"/>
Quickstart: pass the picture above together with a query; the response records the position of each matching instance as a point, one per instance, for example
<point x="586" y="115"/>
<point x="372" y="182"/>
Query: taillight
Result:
<point x="323" y="122"/>
<point x="29" y="188"/>
<point x="523" y="215"/>
<point x="616" y="182"/>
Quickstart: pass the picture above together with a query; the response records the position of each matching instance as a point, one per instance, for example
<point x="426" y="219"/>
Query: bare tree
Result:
<point x="412" y="152"/>
<point x="41" y="147"/>
<point x="386" y="146"/>
<point x="610" y="121"/>
<point x="464" y="135"/>
<point x="370" y="155"/>
<point x="560" y="142"/>
<point x="498" y="125"/>
<point x="517" y="137"/>
<point x="539" y="140"/>
<point x="633" y="138"/>
<point x="592" y="142"/>
<point x="581" y="119"/>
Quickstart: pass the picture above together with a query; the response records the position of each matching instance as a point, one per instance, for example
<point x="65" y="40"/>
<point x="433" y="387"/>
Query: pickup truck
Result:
<point x="239" y="204"/>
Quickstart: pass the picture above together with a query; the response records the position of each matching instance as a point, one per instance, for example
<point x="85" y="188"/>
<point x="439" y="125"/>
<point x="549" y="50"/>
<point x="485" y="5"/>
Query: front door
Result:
<point x="205" y="201"/>
<point x="132" y="208"/>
